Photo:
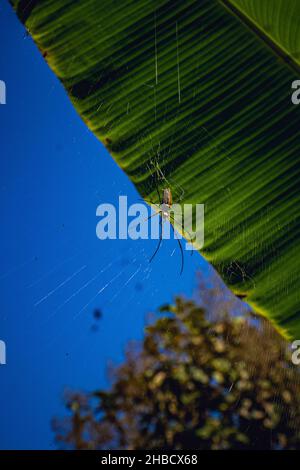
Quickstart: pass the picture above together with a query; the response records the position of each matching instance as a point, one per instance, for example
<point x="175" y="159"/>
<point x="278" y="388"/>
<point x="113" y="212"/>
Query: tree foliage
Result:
<point x="193" y="383"/>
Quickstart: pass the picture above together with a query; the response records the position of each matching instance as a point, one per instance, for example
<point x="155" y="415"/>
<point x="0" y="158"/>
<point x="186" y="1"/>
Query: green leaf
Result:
<point x="186" y="96"/>
<point x="277" y="20"/>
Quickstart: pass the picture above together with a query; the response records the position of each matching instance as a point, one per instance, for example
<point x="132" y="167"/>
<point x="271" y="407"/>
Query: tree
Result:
<point x="193" y="383"/>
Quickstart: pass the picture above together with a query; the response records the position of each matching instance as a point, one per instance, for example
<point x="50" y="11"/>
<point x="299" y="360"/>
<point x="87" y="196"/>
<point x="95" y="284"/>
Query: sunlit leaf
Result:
<point x="184" y="95"/>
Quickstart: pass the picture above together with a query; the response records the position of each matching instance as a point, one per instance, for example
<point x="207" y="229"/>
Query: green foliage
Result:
<point x="277" y="19"/>
<point x="184" y="95"/>
<point x="193" y="383"/>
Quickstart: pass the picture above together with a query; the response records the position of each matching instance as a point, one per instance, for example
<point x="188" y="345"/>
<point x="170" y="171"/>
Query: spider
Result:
<point x="164" y="209"/>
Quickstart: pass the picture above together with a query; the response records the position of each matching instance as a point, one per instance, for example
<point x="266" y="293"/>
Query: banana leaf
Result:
<point x="276" y="21"/>
<point x="196" y="96"/>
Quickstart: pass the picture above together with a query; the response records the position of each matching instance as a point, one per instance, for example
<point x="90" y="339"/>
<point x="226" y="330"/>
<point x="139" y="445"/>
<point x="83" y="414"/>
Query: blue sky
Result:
<point x="53" y="175"/>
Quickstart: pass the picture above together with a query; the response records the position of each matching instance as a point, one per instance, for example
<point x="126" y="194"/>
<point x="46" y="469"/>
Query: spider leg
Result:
<point x="181" y="250"/>
<point x="146" y="200"/>
<point x="145" y="220"/>
<point x="150" y="216"/>
<point x="173" y="218"/>
<point x="149" y="201"/>
<point x="158" y="195"/>
<point x="157" y="190"/>
<point x="160" y="240"/>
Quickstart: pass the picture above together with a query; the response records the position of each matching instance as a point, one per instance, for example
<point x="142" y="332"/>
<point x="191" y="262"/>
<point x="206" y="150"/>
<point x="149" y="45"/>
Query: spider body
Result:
<point x="164" y="209"/>
<point x="167" y="197"/>
<point x="166" y="203"/>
